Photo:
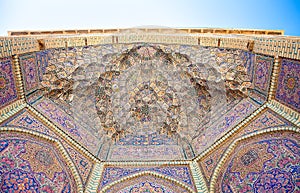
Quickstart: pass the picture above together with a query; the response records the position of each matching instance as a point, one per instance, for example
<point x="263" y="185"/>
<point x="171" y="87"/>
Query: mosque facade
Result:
<point x="150" y="110"/>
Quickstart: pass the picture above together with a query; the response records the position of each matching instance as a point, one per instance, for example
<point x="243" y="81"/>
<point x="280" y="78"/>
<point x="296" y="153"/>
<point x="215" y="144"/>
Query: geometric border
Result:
<point x="19" y="82"/>
<point x="274" y="77"/>
<point x="93" y="181"/>
<point x="284" y="111"/>
<point x="230" y="150"/>
<point x="198" y="177"/>
<point x="11" y="110"/>
<point x="58" y="145"/>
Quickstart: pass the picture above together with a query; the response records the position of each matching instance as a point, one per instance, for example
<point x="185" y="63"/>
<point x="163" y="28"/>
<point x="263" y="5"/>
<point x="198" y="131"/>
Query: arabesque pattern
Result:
<point x="8" y="87"/>
<point x="265" y="120"/>
<point x="288" y="85"/>
<point x="29" y="164"/>
<point x="30" y="72"/>
<point x="266" y="163"/>
<point x="180" y="173"/>
<point x="28" y="121"/>
<point x="149" y="96"/>
<point x="146" y="182"/>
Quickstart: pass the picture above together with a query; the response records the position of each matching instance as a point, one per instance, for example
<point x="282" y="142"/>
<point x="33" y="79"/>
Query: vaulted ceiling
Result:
<point x="173" y="113"/>
<point x="171" y="99"/>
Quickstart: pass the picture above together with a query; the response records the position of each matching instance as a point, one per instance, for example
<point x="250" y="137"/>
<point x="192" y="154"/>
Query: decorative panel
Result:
<point x="30" y="164"/>
<point x="262" y="73"/>
<point x="236" y="43"/>
<point x="75" y="41"/>
<point x="27" y="121"/>
<point x="288" y="85"/>
<point x="56" y="42"/>
<point x="21" y="45"/>
<point x="30" y="72"/>
<point x="265" y="120"/>
<point x="224" y="124"/>
<point x="8" y="86"/>
<point x="146" y="183"/>
<point x="42" y="59"/>
<point x="69" y="125"/>
<point x="284" y="46"/>
<point x="5" y="47"/>
<point x="181" y="173"/>
<point x="265" y="163"/>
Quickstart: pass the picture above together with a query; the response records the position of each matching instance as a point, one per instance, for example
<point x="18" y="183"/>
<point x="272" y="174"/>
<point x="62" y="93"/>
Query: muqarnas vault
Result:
<point x="149" y="109"/>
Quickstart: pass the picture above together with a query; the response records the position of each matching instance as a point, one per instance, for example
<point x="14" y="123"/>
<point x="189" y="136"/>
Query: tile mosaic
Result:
<point x="288" y="85"/>
<point x="8" y="87"/>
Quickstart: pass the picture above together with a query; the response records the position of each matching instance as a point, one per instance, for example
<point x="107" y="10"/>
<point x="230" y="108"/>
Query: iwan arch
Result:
<point x="150" y="109"/>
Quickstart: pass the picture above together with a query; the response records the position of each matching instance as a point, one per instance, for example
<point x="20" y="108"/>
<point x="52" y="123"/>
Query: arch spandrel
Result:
<point x="36" y="162"/>
<point x="146" y="181"/>
<point x="261" y="161"/>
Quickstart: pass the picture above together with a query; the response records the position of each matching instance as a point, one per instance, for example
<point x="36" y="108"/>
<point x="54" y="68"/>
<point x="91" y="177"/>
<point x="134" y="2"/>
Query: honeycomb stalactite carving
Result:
<point x="146" y="88"/>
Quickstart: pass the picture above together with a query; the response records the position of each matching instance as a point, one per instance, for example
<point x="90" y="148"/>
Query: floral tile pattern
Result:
<point x="8" y="88"/>
<point x="68" y="124"/>
<point x="265" y="120"/>
<point x="27" y="121"/>
<point x="266" y="163"/>
<point x="31" y="165"/>
<point x="30" y="72"/>
<point x="288" y="85"/>
<point x="147" y="183"/>
<point x="262" y="73"/>
<point x="181" y="173"/>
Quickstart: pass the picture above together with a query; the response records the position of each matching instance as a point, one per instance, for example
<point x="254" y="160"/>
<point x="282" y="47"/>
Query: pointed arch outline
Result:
<point x="234" y="144"/>
<point x="147" y="173"/>
<point x="56" y="144"/>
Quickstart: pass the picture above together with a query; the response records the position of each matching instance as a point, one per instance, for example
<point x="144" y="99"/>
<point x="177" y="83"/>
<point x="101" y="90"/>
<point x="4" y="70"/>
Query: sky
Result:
<point x="93" y="14"/>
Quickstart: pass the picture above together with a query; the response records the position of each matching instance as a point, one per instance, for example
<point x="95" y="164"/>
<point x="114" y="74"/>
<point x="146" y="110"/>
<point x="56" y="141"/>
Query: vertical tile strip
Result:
<point x="198" y="178"/>
<point x="94" y="178"/>
<point x="19" y="82"/>
<point x="274" y="78"/>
